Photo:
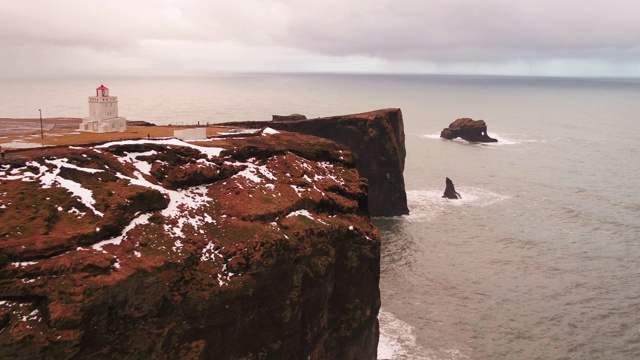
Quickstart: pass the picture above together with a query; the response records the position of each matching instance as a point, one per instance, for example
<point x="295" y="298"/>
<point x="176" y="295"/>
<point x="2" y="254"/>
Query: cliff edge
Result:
<point x="247" y="248"/>
<point x="377" y="141"/>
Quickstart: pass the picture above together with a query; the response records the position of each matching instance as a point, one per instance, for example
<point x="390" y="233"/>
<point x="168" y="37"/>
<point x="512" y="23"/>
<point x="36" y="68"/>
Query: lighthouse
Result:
<point x="103" y="113"/>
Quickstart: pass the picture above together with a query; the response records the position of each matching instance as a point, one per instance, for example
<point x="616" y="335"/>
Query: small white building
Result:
<point x="103" y="113"/>
<point x="191" y="134"/>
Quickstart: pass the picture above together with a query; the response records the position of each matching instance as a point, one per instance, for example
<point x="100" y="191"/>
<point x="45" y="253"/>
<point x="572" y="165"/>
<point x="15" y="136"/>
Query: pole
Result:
<point x="41" y="129"/>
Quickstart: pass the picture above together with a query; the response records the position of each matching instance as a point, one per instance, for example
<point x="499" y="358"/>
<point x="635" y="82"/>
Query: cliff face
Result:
<point x="377" y="141"/>
<point x="239" y="249"/>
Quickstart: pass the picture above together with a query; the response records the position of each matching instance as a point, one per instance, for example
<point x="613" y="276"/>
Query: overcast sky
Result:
<point x="507" y="37"/>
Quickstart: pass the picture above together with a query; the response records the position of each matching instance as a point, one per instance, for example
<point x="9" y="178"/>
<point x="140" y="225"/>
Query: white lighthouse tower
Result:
<point x="103" y="113"/>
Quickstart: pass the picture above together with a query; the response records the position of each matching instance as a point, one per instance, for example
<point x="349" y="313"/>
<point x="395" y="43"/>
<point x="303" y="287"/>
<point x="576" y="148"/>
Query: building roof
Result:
<point x="102" y="87"/>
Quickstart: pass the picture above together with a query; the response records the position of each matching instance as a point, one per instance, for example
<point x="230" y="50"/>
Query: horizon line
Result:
<point x="169" y="74"/>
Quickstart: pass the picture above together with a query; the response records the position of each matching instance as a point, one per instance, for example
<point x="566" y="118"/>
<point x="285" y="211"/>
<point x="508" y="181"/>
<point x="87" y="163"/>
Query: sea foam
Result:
<point x="427" y="204"/>
<point x="503" y="139"/>
<point x="397" y="340"/>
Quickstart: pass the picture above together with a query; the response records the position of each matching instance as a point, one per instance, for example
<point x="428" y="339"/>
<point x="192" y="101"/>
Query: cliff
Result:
<point x="377" y="141"/>
<point x="248" y="248"/>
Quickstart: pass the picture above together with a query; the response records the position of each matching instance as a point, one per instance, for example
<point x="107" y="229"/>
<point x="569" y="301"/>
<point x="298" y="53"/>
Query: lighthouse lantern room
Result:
<point x="103" y="113"/>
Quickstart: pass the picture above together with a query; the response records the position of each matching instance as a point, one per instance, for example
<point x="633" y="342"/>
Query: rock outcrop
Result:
<point x="255" y="248"/>
<point x="288" y="117"/>
<point x="377" y="141"/>
<point x="467" y="129"/>
<point x="450" y="191"/>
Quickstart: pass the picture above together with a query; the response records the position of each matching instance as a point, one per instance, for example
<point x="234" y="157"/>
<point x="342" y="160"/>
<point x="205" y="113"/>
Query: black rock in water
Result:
<point x="468" y="129"/>
<point x="450" y="191"/>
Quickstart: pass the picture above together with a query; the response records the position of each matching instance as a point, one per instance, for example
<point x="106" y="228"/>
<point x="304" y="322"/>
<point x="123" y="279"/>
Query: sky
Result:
<point x="484" y="37"/>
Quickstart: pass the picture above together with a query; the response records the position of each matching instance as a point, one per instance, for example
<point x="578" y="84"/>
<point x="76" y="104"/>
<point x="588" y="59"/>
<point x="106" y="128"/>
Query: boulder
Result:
<point x="450" y="191"/>
<point x="467" y="129"/>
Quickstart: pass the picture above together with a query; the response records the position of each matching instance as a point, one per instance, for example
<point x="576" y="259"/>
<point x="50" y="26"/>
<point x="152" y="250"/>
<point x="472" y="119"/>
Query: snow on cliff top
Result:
<point x="182" y="215"/>
<point x="48" y="174"/>
<point x="210" y="151"/>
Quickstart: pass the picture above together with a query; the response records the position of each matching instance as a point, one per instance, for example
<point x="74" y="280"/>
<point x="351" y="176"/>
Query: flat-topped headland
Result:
<point x="232" y="247"/>
<point x="378" y="142"/>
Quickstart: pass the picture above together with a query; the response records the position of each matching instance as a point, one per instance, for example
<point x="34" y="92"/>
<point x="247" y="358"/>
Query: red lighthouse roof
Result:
<point x="104" y="89"/>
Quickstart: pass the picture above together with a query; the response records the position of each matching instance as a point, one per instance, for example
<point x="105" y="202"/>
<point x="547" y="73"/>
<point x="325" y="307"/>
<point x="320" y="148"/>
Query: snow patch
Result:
<point x="209" y="151"/>
<point x="177" y="246"/>
<point x="32" y="316"/>
<point x="255" y="173"/>
<point x="143" y="166"/>
<point x="24" y="263"/>
<point x="142" y="219"/>
<point x="49" y="178"/>
<point x="250" y="174"/>
<point x="297" y="190"/>
<point x="306" y="214"/>
<point x="209" y="253"/>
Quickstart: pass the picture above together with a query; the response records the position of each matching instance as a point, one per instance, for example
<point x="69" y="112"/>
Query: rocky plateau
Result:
<point x="377" y="141"/>
<point x="254" y="247"/>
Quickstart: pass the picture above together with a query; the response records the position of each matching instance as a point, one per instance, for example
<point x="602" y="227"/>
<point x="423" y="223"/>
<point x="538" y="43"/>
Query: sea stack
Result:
<point x="450" y="191"/>
<point x="468" y="129"/>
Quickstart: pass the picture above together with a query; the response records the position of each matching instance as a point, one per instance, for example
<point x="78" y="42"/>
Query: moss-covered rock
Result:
<point x="376" y="140"/>
<point x="143" y="250"/>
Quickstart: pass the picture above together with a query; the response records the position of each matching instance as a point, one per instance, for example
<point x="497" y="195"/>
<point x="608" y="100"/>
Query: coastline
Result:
<point x="196" y="226"/>
<point x="21" y="126"/>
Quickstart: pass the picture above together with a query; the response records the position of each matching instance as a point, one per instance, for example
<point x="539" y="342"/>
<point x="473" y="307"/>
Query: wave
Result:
<point x="503" y="139"/>
<point x="516" y="139"/>
<point x="426" y="204"/>
<point x="430" y="136"/>
<point x="397" y="341"/>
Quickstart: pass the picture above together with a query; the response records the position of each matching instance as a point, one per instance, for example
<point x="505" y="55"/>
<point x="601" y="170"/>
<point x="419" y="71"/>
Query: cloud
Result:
<point x="305" y="35"/>
<point x="463" y="30"/>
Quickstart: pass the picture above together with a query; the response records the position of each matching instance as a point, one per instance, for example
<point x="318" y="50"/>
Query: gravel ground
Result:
<point x="26" y="126"/>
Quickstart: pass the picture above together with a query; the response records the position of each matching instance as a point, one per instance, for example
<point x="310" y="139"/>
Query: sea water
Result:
<point x="540" y="259"/>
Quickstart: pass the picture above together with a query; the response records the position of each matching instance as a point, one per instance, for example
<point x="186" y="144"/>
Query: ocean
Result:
<point x="540" y="259"/>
